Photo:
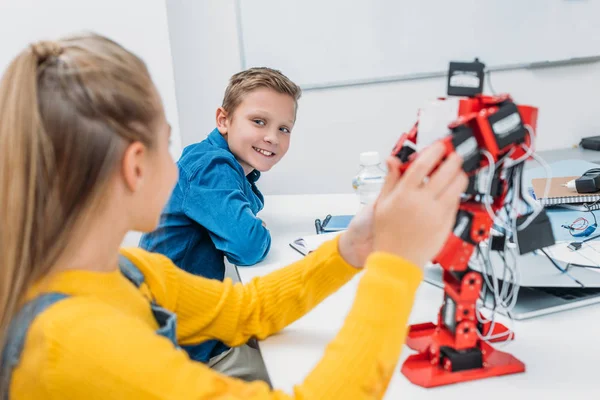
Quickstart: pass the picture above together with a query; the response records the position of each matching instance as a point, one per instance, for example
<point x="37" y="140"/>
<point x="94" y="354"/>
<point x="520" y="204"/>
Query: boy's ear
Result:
<point x="222" y="121"/>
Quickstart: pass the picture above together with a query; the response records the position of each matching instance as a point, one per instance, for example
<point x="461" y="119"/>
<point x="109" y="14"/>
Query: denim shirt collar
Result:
<point x="218" y="140"/>
<point x="253" y="176"/>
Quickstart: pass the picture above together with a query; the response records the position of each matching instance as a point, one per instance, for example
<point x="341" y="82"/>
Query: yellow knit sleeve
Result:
<point x="370" y="340"/>
<point x="372" y="336"/>
<point x="233" y="313"/>
<point x="82" y="348"/>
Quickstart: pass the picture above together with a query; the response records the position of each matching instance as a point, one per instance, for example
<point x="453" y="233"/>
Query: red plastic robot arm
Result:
<point x="452" y="350"/>
<point x="486" y="124"/>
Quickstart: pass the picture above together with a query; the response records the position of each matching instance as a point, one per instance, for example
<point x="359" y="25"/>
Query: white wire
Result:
<point x="507" y="298"/>
<point x="509" y="301"/>
<point x="535" y="205"/>
<point x="490" y="286"/>
<point x="487" y="195"/>
<point x="504" y="299"/>
<point x="548" y="171"/>
<point x="492" y="170"/>
<point x="514" y="212"/>
<point x="516" y="274"/>
<point x="528" y="151"/>
<point x="509" y="334"/>
<point x="492" y="322"/>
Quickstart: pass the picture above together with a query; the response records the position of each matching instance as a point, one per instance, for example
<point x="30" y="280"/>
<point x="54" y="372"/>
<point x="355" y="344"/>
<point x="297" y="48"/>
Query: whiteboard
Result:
<point x="139" y="25"/>
<point x="331" y="42"/>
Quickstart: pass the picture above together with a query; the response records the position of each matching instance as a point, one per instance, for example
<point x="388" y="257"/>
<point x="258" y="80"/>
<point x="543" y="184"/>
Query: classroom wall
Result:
<point x="139" y="25"/>
<point x="145" y="33"/>
<point x="335" y="125"/>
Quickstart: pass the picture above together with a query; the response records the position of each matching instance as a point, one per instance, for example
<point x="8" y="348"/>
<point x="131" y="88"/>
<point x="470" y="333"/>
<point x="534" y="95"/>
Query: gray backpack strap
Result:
<point x="17" y="333"/>
<point x="131" y="272"/>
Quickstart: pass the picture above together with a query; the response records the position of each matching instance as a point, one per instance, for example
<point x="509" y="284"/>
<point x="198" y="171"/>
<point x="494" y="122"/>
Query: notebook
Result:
<point x="558" y="194"/>
<point x="580" y="207"/>
<point x="310" y="243"/>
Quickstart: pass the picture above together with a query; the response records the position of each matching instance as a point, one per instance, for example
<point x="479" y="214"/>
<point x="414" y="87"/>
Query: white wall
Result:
<point x="335" y="125"/>
<point x="139" y="25"/>
<point x="323" y="42"/>
<point x="205" y="54"/>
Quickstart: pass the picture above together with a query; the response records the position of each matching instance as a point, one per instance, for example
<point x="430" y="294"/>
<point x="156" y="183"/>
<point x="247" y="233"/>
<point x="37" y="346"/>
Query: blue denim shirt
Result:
<point x="211" y="215"/>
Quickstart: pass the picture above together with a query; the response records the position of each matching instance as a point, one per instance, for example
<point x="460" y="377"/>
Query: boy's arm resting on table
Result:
<point x="215" y="199"/>
<point x="358" y="363"/>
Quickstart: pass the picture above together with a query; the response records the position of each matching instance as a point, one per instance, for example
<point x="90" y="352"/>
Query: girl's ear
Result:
<point x="222" y="121"/>
<point x="133" y="168"/>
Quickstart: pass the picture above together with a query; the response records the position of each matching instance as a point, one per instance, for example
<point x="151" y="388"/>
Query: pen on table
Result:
<point x="325" y="221"/>
<point x="318" y="226"/>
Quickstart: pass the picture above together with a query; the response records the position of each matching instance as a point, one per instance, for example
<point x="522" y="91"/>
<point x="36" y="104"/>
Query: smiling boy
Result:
<point x="212" y="212"/>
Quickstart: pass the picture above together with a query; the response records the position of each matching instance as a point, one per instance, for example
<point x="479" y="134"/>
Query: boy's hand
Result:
<point x="413" y="218"/>
<point x="356" y="243"/>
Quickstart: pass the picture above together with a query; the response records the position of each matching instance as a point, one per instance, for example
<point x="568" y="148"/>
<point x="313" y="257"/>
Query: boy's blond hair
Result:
<point x="251" y="79"/>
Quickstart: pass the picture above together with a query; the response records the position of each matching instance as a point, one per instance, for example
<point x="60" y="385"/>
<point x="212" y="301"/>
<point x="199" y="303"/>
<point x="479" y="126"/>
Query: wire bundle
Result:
<point x="500" y="294"/>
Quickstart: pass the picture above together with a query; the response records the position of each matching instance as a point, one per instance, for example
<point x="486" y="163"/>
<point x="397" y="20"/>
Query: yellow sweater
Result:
<point x="100" y="343"/>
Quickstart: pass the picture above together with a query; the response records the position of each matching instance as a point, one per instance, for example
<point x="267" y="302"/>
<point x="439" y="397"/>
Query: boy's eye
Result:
<point x="284" y="129"/>
<point x="259" y="122"/>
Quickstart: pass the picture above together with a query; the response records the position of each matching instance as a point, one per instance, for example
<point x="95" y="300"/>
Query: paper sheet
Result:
<point x="588" y="254"/>
<point x="434" y="118"/>
<point x="309" y="243"/>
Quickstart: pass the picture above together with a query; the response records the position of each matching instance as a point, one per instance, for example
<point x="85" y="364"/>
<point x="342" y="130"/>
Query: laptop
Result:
<point x="544" y="288"/>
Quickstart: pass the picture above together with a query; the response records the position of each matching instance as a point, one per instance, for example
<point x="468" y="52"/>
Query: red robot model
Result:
<point x="491" y="133"/>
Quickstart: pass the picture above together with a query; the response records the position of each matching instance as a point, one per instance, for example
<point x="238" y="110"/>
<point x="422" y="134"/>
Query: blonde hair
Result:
<point x="68" y="109"/>
<point x="251" y="79"/>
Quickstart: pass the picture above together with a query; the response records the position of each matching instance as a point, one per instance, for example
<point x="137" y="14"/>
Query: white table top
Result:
<point x="560" y="351"/>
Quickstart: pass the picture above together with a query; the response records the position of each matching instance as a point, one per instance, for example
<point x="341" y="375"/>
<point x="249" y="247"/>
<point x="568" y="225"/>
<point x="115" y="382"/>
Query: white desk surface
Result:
<point x="561" y="351"/>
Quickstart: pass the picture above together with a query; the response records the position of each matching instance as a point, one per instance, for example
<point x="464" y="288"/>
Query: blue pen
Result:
<point x="326" y="221"/>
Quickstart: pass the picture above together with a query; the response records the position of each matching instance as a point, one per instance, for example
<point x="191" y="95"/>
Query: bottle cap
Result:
<point x="369" y="158"/>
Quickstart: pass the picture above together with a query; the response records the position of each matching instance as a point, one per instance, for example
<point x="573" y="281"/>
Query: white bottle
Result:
<point x="369" y="180"/>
